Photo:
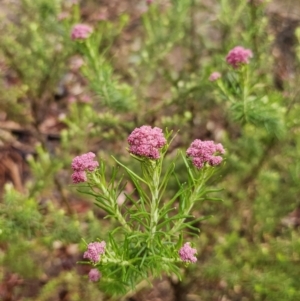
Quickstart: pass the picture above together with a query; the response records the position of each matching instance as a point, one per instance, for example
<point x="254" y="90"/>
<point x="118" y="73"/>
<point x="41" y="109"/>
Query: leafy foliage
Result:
<point x="152" y="67"/>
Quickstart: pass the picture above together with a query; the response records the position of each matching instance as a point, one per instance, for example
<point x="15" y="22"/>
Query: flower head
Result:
<point x="214" y="76"/>
<point x="85" y="162"/>
<point x="81" y="32"/>
<point x="146" y="141"/>
<point x="204" y="151"/>
<point x="94" y="275"/>
<point x="81" y="164"/>
<point x="94" y="250"/>
<point x="187" y="253"/>
<point x="238" y="56"/>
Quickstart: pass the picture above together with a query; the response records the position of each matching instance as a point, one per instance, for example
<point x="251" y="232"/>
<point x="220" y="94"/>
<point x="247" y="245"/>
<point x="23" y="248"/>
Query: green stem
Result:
<point x="98" y="66"/>
<point x="119" y="261"/>
<point x="192" y="200"/>
<point x="154" y="187"/>
<point x="112" y="203"/>
<point x="245" y="83"/>
<point x="225" y="92"/>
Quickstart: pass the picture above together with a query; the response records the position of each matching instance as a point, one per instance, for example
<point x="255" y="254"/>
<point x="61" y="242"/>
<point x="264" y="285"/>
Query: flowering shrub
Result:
<point x="251" y="250"/>
<point x="248" y="105"/>
<point x="97" y="69"/>
<point x="152" y="230"/>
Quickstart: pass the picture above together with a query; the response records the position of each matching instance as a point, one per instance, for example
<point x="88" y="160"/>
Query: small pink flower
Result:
<point x="204" y="151"/>
<point x="81" y="32"/>
<point x="94" y="250"/>
<point x="238" y="56"/>
<point x="81" y="164"/>
<point x="85" y="162"/>
<point x="149" y="2"/>
<point x="94" y="275"/>
<point x="214" y="76"/>
<point x="78" y="177"/>
<point x="146" y="142"/>
<point x="187" y="253"/>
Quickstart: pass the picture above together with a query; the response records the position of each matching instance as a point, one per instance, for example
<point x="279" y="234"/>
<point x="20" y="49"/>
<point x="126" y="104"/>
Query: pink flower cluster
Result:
<point x="203" y="151"/>
<point x="94" y="250"/>
<point x="214" y="76"/>
<point x="187" y="253"/>
<point x="81" y="164"/>
<point x="81" y="32"/>
<point x="238" y="56"/>
<point x="94" y="275"/>
<point x="146" y="141"/>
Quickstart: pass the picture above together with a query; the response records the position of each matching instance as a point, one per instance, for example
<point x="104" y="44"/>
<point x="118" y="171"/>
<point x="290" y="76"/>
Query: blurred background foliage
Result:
<point x="154" y="60"/>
